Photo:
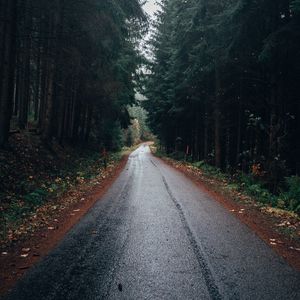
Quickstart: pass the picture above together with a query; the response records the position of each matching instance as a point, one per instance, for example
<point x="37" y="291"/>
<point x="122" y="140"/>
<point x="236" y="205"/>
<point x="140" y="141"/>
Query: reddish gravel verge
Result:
<point x="264" y="221"/>
<point x="17" y="259"/>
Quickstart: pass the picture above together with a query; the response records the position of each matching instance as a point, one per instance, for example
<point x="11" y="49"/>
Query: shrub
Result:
<point x="291" y="196"/>
<point x="36" y="197"/>
<point x="209" y="170"/>
<point x="177" y="155"/>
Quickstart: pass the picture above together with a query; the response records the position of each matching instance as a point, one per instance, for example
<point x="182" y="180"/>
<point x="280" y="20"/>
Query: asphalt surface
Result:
<point x="155" y="235"/>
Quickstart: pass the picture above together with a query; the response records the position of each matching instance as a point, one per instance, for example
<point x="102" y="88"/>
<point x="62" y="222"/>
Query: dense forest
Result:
<point x="221" y="80"/>
<point x="223" y="85"/>
<point x="68" y="68"/>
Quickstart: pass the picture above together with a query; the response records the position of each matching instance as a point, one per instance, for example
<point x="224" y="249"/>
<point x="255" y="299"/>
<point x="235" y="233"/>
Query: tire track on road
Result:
<point x="205" y="270"/>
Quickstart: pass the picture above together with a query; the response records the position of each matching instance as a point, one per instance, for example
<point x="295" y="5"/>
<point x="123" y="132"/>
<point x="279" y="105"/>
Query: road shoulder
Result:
<point x="264" y="221"/>
<point x="61" y="216"/>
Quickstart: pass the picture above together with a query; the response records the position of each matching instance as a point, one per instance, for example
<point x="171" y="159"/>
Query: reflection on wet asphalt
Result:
<point x="159" y="237"/>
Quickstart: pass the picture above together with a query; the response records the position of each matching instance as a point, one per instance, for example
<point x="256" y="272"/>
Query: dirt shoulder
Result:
<point x="46" y="228"/>
<point x="278" y="228"/>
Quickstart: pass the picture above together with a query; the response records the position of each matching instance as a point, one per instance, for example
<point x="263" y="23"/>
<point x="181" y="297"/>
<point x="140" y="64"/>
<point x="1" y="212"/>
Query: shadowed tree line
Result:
<point x="67" y="68"/>
<point x="224" y="84"/>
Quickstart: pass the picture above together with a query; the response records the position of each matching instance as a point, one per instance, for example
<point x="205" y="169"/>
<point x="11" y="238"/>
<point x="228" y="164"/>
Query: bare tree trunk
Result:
<point x="217" y="115"/>
<point x="239" y="134"/>
<point x="37" y="99"/>
<point x="7" y="68"/>
<point x="55" y="18"/>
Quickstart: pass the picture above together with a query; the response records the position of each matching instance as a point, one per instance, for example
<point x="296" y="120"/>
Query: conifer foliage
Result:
<point x="224" y="83"/>
<point x="67" y="67"/>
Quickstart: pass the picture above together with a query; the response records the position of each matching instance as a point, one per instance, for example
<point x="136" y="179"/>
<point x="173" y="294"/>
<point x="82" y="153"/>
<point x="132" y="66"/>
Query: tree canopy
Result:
<point x="224" y="82"/>
<point x="68" y="68"/>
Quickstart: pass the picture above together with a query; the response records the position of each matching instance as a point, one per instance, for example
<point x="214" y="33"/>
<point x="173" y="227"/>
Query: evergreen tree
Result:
<point x="68" y="67"/>
<point x="224" y="81"/>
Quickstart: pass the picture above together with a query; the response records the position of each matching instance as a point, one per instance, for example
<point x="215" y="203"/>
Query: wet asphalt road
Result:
<point x="155" y="235"/>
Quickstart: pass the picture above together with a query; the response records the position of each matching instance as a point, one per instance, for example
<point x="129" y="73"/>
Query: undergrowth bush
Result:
<point x="178" y="155"/>
<point x="209" y="170"/>
<point x="246" y="183"/>
<point x="291" y="196"/>
<point x="35" y="198"/>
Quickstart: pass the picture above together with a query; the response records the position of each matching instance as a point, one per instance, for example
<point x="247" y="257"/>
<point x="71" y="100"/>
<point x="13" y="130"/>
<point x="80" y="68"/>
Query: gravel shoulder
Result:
<point x="278" y="228"/>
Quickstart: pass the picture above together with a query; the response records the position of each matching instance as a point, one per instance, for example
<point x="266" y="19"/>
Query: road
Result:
<point x="156" y="235"/>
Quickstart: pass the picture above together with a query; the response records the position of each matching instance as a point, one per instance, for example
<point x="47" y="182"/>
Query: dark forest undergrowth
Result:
<point x="33" y="175"/>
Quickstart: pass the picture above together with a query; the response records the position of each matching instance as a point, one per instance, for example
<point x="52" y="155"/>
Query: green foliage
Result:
<point x="247" y="184"/>
<point x="209" y="170"/>
<point x="113" y="137"/>
<point x="295" y="6"/>
<point x="178" y="155"/>
<point x="37" y="197"/>
<point x="254" y="188"/>
<point x="91" y="53"/>
<point x="224" y="78"/>
<point x="291" y="197"/>
<point x="19" y="203"/>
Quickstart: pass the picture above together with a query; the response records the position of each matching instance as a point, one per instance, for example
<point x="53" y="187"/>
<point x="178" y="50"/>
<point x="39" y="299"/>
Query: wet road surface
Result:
<point x="155" y="235"/>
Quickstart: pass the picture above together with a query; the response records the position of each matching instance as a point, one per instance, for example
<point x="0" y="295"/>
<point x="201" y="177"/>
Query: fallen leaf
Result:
<point x="50" y="228"/>
<point x="24" y="255"/>
<point x="25" y="249"/>
<point x="4" y="253"/>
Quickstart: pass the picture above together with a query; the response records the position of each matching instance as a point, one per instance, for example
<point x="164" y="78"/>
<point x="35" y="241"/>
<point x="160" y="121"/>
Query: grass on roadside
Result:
<point x="288" y="199"/>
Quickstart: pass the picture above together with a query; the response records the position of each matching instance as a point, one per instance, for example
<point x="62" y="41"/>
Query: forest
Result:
<point x="149" y="149"/>
<point x="68" y="83"/>
<point x="68" y="68"/>
<point x="223" y="85"/>
<point x="219" y="81"/>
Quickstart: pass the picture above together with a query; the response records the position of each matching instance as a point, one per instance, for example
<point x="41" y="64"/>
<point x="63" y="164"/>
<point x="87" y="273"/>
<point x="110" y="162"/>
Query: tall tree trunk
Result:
<point x="8" y="66"/>
<point x="55" y="19"/>
<point x="37" y="98"/>
<point x="217" y="116"/>
<point x="239" y="133"/>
